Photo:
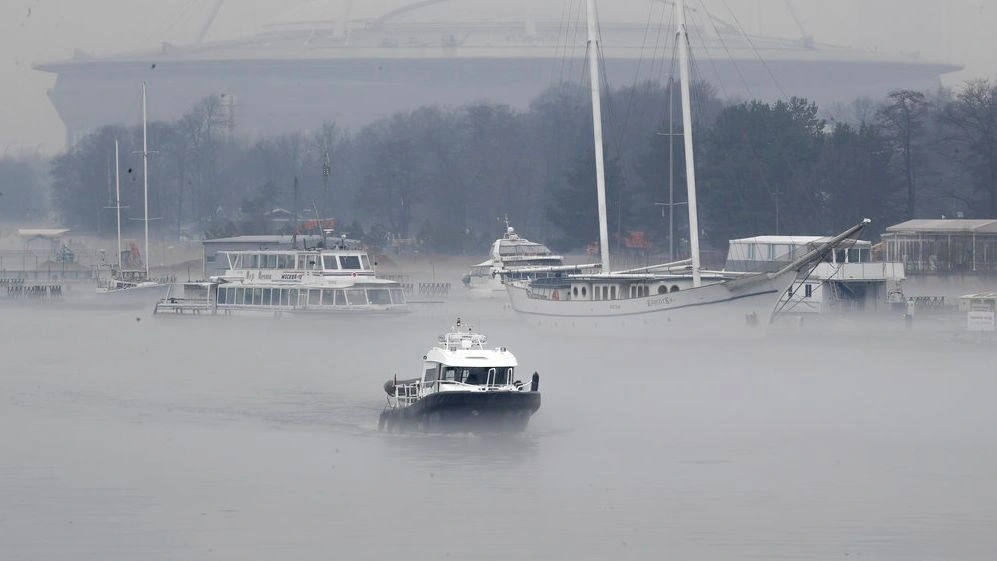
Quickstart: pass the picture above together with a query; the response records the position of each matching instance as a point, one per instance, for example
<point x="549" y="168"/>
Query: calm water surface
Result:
<point x="254" y="439"/>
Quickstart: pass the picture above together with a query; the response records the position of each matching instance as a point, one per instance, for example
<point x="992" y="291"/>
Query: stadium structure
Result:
<point x="353" y="62"/>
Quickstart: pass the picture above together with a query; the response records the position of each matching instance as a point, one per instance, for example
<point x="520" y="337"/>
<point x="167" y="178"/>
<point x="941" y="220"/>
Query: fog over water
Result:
<point x="239" y="439"/>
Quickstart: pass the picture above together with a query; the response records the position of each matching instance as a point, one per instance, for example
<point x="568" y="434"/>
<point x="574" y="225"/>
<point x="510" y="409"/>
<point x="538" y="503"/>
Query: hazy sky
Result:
<point x="32" y="31"/>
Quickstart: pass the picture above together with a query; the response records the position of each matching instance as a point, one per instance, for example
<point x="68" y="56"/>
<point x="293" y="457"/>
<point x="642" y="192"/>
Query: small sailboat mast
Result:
<point x="690" y="163"/>
<point x="117" y="196"/>
<point x="145" y="178"/>
<point x="600" y="167"/>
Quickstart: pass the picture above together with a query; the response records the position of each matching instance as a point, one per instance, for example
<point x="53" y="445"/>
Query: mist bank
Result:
<point x="442" y="176"/>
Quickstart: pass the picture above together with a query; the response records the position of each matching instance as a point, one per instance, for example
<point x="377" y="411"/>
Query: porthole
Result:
<point x="662" y="289"/>
<point x="675" y="288"/>
<point x="583" y="291"/>
<point x="574" y="291"/>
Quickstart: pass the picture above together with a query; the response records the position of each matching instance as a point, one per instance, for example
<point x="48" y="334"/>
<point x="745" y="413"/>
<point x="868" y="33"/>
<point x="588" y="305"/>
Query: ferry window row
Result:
<point x="478" y="376"/>
<point x="300" y="298"/>
<point x="300" y="262"/>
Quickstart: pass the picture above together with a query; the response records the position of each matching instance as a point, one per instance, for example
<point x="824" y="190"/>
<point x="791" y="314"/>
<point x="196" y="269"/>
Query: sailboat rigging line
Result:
<point x="737" y="67"/>
<point x="713" y="63"/>
<point x="751" y="43"/>
<point x="558" y="57"/>
<point x="640" y="61"/>
<point x="575" y="42"/>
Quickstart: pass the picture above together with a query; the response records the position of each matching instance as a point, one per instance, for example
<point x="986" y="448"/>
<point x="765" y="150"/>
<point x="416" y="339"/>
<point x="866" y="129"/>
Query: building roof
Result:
<point x="263" y="239"/>
<point x="945" y="226"/>
<point x="48" y="233"/>
<point x="790" y="240"/>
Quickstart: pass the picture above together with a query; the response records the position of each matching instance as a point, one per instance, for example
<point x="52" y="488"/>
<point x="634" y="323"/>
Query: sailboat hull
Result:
<point x="145" y="295"/>
<point x="722" y="307"/>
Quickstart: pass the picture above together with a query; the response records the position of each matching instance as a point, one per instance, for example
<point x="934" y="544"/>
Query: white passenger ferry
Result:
<point x="333" y="281"/>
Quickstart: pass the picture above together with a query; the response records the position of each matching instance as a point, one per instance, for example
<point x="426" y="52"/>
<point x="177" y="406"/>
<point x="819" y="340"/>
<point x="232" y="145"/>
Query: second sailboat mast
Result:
<point x="600" y="166"/>
<point x="690" y="163"/>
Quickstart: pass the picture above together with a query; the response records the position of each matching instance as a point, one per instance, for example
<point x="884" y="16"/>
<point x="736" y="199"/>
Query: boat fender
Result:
<point x="555" y="295"/>
<point x="535" y="383"/>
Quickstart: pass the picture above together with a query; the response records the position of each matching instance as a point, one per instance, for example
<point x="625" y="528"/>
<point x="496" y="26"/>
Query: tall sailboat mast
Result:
<point x="117" y="196"/>
<point x="690" y="163"/>
<point x="600" y="167"/>
<point x="145" y="177"/>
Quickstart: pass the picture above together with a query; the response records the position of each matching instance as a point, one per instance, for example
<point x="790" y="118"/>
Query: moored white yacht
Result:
<point x="339" y="280"/>
<point x="463" y="387"/>
<point x="132" y="288"/>
<point x="514" y="258"/>
<point x="673" y="297"/>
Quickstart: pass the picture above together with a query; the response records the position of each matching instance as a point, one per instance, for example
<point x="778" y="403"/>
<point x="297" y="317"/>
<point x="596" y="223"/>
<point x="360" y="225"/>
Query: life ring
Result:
<point x="555" y="295"/>
<point x="354" y="275"/>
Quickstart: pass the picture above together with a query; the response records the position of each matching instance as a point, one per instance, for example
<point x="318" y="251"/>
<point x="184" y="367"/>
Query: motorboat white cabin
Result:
<point x="463" y="387"/>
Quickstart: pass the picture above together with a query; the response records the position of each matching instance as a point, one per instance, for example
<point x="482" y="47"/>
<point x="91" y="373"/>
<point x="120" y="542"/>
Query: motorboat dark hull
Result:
<point x="464" y="412"/>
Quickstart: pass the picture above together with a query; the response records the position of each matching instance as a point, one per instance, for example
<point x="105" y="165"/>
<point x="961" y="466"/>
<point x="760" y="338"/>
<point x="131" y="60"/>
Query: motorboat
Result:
<point x="463" y="388"/>
<point x="514" y="258"/>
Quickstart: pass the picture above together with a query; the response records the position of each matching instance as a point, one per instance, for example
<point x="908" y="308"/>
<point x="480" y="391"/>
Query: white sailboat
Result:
<point x="132" y="288"/>
<point x="678" y="297"/>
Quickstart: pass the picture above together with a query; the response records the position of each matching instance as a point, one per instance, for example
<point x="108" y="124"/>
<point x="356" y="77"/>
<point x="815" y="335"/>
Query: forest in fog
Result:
<point x="443" y="176"/>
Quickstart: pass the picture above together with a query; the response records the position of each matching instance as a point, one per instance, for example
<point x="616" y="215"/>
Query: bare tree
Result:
<point x="903" y="120"/>
<point x="972" y="118"/>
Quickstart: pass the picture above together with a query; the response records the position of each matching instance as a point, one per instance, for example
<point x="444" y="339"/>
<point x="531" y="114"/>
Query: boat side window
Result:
<point x="292" y="299"/>
<point x="366" y="262"/>
<point x="356" y="297"/>
<point x="267" y="293"/>
<point x="675" y="288"/>
<point x="431" y="374"/>
<point x="450" y="375"/>
<point x="234" y="261"/>
<point x="271" y="261"/>
<point x="222" y="292"/>
<point x="328" y="297"/>
<point x="350" y="262"/>
<point x="330" y="263"/>
<point x="285" y="262"/>
<point x="509" y="376"/>
<point x="314" y="297"/>
<point x="379" y="296"/>
<point x="397" y="296"/>
<point x="340" y="298"/>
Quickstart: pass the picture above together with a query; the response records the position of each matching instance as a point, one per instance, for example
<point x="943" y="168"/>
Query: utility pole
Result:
<point x="326" y="172"/>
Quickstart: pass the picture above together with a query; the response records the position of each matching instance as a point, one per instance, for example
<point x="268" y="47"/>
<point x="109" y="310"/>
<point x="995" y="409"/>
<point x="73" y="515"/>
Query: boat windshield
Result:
<point x="477" y="376"/>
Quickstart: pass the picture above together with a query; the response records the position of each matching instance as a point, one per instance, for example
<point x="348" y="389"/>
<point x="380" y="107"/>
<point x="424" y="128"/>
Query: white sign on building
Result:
<point x="981" y="317"/>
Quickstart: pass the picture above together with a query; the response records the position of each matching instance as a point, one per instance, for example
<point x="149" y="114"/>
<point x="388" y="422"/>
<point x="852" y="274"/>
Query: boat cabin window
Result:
<point x="328" y="297"/>
<point x="314" y="297"/>
<point x="479" y="376"/>
<point x="366" y="262"/>
<point x="350" y="262"/>
<point x="379" y="296"/>
<point x="285" y="261"/>
<point x="397" y="296"/>
<point x="330" y="263"/>
<point x="356" y="297"/>
<point x="307" y="262"/>
<point x="340" y="298"/>
<point x="431" y="373"/>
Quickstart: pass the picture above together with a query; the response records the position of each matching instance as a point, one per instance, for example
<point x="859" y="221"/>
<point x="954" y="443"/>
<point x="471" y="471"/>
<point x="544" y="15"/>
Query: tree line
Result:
<point x="444" y="176"/>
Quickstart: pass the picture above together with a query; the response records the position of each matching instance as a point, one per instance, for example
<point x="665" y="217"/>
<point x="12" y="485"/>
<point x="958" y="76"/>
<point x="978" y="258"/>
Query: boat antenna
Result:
<point x="690" y="163"/>
<point x="145" y="175"/>
<point x="600" y="166"/>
